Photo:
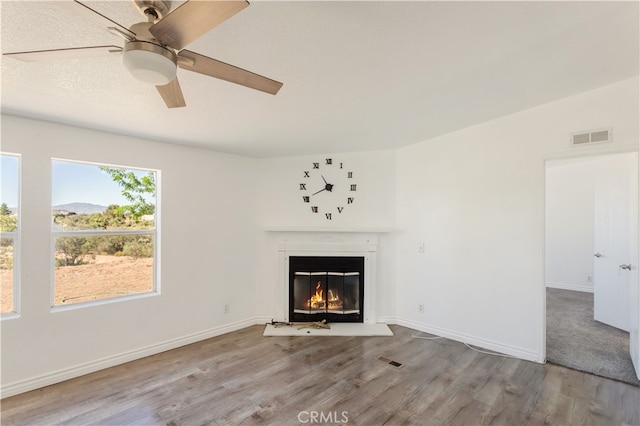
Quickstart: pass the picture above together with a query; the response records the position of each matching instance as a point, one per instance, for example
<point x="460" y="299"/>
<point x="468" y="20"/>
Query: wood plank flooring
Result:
<point x="245" y="378"/>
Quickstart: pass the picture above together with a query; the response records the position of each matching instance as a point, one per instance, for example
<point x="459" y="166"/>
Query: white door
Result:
<point x="615" y="208"/>
<point x="634" y="335"/>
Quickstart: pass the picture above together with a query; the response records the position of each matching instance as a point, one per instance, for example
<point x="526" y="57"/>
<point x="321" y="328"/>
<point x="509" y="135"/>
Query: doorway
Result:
<point x="588" y="216"/>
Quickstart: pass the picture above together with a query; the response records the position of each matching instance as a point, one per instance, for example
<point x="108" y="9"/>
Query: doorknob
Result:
<point x="598" y="254"/>
<point x="625" y="266"/>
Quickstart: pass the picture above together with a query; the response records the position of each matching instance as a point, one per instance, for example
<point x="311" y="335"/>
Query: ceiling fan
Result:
<point x="149" y="51"/>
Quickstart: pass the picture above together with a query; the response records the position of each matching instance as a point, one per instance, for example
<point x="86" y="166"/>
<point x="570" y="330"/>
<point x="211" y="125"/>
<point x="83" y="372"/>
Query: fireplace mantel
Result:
<point x="372" y="230"/>
<point x="332" y="247"/>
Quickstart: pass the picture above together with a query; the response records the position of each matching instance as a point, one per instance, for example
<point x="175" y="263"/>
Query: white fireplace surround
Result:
<point x="331" y="246"/>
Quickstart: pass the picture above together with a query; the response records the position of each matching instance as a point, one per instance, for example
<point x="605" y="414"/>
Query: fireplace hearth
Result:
<point x="327" y="288"/>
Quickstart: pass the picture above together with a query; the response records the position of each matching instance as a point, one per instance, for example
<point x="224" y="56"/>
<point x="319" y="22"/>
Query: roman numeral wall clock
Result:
<point x="327" y="187"/>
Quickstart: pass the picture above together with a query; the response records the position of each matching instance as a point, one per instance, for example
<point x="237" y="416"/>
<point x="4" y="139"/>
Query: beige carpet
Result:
<point x="576" y="340"/>
<point x="337" y="329"/>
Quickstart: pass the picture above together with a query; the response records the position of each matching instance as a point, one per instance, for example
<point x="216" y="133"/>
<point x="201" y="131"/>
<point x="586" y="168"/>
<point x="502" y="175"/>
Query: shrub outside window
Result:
<point x="104" y="226"/>
<point x="9" y="232"/>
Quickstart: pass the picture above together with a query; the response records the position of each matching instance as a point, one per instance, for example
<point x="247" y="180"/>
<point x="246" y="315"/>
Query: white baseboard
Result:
<point x="37" y="382"/>
<point x="387" y="320"/>
<point x="472" y="340"/>
<point x="572" y="287"/>
<point x="265" y="320"/>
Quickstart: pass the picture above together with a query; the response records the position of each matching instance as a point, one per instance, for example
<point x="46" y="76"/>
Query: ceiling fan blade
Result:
<point x="65" y="54"/>
<point x="192" y="61"/>
<point x="192" y="19"/>
<point x="172" y="94"/>
<point x="111" y="25"/>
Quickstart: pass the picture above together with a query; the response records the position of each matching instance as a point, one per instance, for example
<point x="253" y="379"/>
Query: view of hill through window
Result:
<point x="104" y="227"/>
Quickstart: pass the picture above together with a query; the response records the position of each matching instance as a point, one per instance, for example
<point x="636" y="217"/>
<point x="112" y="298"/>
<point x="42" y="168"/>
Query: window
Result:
<point x="9" y="230"/>
<point x="104" y="232"/>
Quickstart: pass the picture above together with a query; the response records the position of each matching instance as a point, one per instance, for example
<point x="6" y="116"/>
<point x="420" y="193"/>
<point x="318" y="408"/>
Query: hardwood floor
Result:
<point x="245" y="378"/>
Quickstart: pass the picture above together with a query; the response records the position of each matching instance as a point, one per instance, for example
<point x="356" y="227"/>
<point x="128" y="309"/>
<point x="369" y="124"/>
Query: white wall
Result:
<point x="207" y="242"/>
<point x="476" y="198"/>
<point x="374" y="201"/>
<point x="569" y="224"/>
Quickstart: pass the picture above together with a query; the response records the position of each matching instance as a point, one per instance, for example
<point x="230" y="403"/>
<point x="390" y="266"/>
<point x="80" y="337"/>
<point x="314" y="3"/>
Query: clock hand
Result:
<point x="325" y="181"/>
<point x="327" y="187"/>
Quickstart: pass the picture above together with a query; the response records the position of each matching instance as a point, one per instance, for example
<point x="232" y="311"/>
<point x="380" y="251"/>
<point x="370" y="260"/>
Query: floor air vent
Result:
<point x="389" y="361"/>
<point x="591" y="137"/>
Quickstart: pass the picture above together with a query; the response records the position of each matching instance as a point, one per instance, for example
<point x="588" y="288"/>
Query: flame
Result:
<point x="318" y="301"/>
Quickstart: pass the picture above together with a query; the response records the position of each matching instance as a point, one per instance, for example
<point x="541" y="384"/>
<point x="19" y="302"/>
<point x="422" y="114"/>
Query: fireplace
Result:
<point x="344" y="253"/>
<point x="326" y="288"/>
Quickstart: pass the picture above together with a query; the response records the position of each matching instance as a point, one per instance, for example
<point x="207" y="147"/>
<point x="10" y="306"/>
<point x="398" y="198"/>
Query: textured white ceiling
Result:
<point x="357" y="75"/>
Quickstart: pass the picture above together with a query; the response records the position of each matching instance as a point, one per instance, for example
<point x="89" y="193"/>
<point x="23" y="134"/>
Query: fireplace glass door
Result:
<point x="334" y="294"/>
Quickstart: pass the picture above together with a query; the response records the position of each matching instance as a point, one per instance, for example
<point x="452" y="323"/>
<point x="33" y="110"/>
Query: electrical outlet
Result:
<point x="421" y="308"/>
<point x="226" y="308"/>
<point x="420" y="247"/>
<point x="589" y="278"/>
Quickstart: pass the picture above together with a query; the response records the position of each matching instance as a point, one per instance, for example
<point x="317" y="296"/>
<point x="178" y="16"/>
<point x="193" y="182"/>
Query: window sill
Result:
<point x="80" y="305"/>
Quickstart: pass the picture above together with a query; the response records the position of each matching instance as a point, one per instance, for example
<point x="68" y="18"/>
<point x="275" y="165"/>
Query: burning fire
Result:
<point x="318" y="301"/>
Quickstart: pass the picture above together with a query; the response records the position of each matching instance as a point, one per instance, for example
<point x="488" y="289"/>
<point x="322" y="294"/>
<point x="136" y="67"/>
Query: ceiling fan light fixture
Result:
<point x="149" y="62"/>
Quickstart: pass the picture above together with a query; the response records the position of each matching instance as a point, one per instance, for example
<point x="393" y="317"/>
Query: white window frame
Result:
<point x="16" y="236"/>
<point x="154" y="233"/>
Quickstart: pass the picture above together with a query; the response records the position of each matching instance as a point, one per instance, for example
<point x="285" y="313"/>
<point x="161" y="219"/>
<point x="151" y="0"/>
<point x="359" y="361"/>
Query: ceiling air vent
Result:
<point x="591" y="137"/>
